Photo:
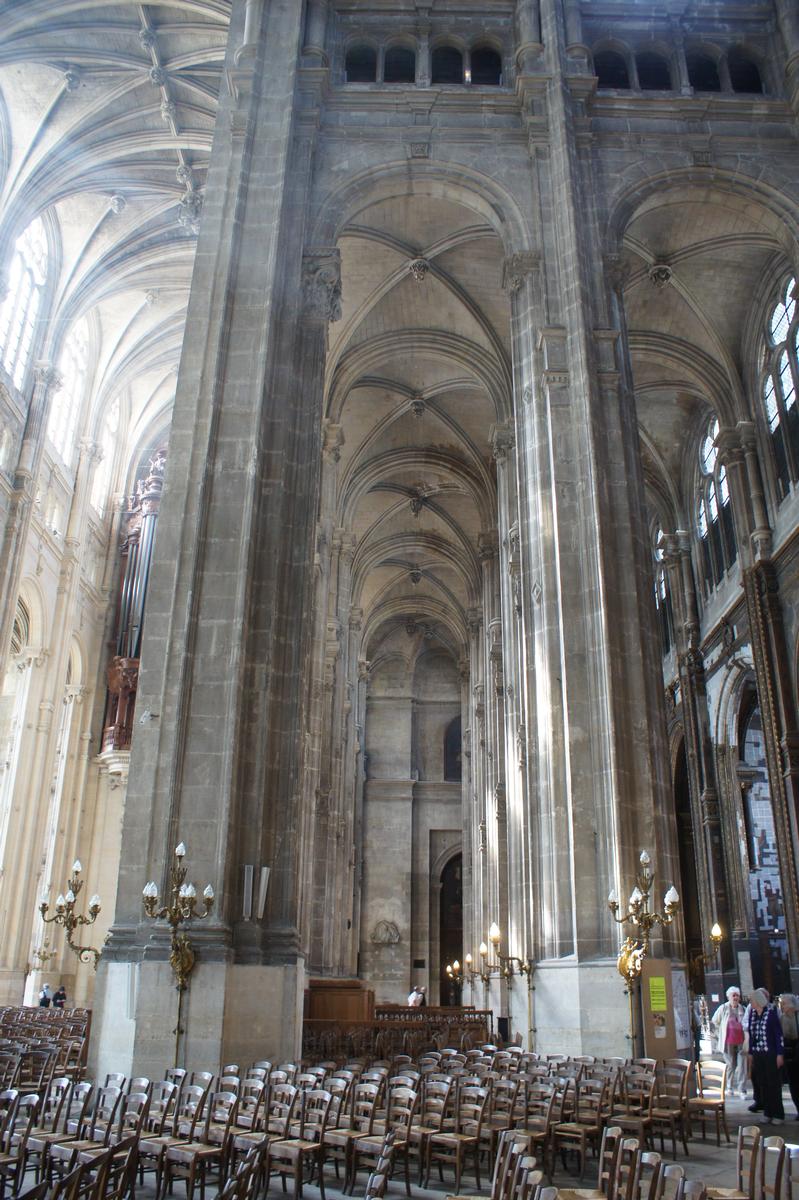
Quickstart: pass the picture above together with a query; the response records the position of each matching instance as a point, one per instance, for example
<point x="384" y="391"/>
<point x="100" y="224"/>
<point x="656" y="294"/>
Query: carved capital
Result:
<point x="47" y="377"/>
<point x="71" y="80"/>
<point x="728" y="444"/>
<point x="487" y="544"/>
<point x="518" y="267"/>
<point x="503" y="440"/>
<point x="332" y="440"/>
<point x="321" y="283"/>
<point x="617" y="271"/>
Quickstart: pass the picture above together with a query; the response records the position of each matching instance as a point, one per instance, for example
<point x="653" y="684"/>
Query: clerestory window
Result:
<point x="663" y="605"/>
<point x="101" y="483"/>
<point x="780" y="382"/>
<point x="715" y="525"/>
<point x="19" y="311"/>
<point x="68" y="399"/>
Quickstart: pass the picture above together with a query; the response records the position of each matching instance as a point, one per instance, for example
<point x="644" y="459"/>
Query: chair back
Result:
<point x="747" y="1153"/>
<point x="315" y="1113"/>
<point x="649" y="1170"/>
<point x="189" y="1111"/>
<point x="162" y="1100"/>
<point x="627" y="1168"/>
<point x="711" y="1079"/>
<point x="362" y="1111"/>
<point x="772" y="1160"/>
<point x="671" y="1182"/>
<point x="400" y="1111"/>
<point x="140" y="1083"/>
<point x="526" y="1181"/>
<point x="791" y="1172"/>
<point x="135" y="1111"/>
<point x="116" y="1079"/>
<point x="280" y="1108"/>
<point x="608" y="1154"/>
<point x="694" y="1189"/>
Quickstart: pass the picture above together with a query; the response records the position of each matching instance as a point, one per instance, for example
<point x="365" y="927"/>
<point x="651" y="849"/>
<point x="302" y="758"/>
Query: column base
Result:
<point x="231" y="1013"/>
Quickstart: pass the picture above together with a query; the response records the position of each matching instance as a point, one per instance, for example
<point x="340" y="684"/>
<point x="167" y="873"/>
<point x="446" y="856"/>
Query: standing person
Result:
<point x="44" y="996"/>
<point x="59" y="997"/>
<point x="789" y="1019"/>
<point x="765" y="1047"/>
<point x="415" y="998"/>
<point x="728" y="1024"/>
<point x="422" y="1001"/>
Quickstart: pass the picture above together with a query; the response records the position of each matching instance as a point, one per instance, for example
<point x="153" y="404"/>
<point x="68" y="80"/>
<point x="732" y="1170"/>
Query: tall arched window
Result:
<point x="399" y="65"/>
<point x="663" y="604"/>
<point x="107" y="446"/>
<point x="27" y="276"/>
<point x="780" y="382"/>
<point x="714" y="512"/>
<point x="68" y="399"/>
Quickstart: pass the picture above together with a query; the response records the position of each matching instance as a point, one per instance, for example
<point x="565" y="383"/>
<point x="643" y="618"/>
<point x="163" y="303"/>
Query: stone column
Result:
<point x="528" y="35"/>
<point x="788" y="25"/>
<point x="26" y="479"/>
<point x="219" y="744"/>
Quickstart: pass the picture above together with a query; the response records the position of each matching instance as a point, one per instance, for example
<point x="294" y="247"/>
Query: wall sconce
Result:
<point x="181" y="907"/>
<point x="703" y="959"/>
<point x="65" y="914"/>
<point x="509" y="964"/>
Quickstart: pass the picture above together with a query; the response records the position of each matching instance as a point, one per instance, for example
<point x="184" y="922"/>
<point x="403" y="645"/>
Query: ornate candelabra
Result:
<point x="181" y="907"/>
<point x="65" y="914"/>
<point x="635" y="947"/>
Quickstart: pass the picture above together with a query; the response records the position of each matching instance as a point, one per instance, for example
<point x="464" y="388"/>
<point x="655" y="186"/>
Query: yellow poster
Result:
<point x="657" y="993"/>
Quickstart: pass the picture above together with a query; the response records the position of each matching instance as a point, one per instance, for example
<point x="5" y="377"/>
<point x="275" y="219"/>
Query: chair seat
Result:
<point x="580" y="1194"/>
<point x="721" y="1193"/>
<point x="187" y="1151"/>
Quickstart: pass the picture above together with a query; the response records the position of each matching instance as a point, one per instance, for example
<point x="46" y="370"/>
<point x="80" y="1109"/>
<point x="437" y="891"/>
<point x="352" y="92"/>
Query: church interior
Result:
<point x="399" y="513"/>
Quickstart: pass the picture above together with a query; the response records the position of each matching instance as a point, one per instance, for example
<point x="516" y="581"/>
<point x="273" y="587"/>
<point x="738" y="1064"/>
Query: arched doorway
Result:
<point x="450" y="928"/>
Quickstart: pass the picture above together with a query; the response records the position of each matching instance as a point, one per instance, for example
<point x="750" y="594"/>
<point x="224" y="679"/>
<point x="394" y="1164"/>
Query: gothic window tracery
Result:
<point x="780" y="380"/>
<point x="714" y="518"/>
<point x="27" y="277"/>
<point x="68" y="399"/>
<point x="663" y="604"/>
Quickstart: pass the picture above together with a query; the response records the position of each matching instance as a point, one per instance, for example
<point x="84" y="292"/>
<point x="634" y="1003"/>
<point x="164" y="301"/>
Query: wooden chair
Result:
<point x="710" y="1098"/>
<point x="747" y="1154"/>
<point x="430" y="1117"/>
<point x="671" y="1182"/>
<point x="399" y="1117"/>
<point x="188" y="1112"/>
<point x="453" y="1146"/>
<point x="52" y="1123"/>
<point x="772" y="1162"/>
<point x="584" y="1130"/>
<point x="95" y="1130"/>
<point x="275" y="1122"/>
<point x="352" y="1124"/>
<point x="791" y="1173"/>
<point x="649" y="1171"/>
<point x="669" y="1111"/>
<point x="194" y="1160"/>
<point x="289" y="1157"/>
<point x="13" y="1144"/>
<point x="632" y="1108"/>
<point x="543" y="1109"/>
<point x="612" y="1136"/>
<point x="526" y="1181"/>
<point x="693" y="1189"/>
<point x="627" y="1169"/>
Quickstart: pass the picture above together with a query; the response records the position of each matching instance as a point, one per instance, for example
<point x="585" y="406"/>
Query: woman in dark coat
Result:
<point x="765" y="1048"/>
